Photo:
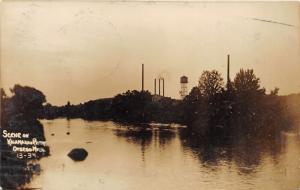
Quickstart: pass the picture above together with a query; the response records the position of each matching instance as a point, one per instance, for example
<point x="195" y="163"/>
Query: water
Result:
<point x="161" y="158"/>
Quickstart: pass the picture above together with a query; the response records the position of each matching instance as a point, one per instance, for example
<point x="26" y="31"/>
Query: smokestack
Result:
<point x="228" y="69"/>
<point x="158" y="86"/>
<point x="155" y="86"/>
<point x="163" y="86"/>
<point x="142" y="77"/>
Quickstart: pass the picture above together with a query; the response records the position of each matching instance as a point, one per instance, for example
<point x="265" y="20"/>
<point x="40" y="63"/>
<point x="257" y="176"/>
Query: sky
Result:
<point x="82" y="50"/>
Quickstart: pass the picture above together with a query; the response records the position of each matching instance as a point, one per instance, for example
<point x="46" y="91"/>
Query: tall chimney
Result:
<point x="159" y="86"/>
<point x="163" y="86"/>
<point x="142" y="77"/>
<point x="155" y="86"/>
<point x="228" y="69"/>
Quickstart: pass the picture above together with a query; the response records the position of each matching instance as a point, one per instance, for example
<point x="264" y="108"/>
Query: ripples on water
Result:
<point x="162" y="157"/>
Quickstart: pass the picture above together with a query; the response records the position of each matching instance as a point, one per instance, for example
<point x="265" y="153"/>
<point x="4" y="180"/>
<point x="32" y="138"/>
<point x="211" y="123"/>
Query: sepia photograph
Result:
<point x="149" y="95"/>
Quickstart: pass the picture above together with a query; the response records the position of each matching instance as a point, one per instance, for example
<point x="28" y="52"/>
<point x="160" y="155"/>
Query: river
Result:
<point x="160" y="158"/>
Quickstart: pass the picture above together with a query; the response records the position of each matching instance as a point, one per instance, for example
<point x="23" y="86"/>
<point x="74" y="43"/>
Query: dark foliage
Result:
<point x="244" y="109"/>
<point x="131" y="106"/>
<point x="19" y="114"/>
<point x="25" y="103"/>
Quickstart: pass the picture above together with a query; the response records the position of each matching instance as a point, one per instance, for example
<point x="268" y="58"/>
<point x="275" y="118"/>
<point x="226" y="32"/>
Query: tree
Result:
<point x="274" y="92"/>
<point x="192" y="105"/>
<point x="246" y="82"/>
<point x="3" y="94"/>
<point x="3" y="97"/>
<point x="194" y="95"/>
<point x="26" y="101"/>
<point x="2" y="100"/>
<point x="131" y="105"/>
<point x="210" y="83"/>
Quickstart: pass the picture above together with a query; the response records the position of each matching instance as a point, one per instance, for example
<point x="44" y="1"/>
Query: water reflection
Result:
<point x="164" y="157"/>
<point x="246" y="153"/>
<point x="145" y="136"/>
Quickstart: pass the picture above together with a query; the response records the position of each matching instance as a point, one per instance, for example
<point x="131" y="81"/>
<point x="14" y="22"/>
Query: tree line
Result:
<point x="212" y="108"/>
<point x="241" y="108"/>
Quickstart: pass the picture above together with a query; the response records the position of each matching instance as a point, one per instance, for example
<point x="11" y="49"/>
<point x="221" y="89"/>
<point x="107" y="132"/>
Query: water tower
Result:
<point x="183" y="87"/>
